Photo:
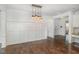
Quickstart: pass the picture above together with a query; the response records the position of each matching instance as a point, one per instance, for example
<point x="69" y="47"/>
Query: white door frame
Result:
<point x="70" y="17"/>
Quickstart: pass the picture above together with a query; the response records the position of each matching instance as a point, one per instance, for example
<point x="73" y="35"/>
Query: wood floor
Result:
<point x="46" y="46"/>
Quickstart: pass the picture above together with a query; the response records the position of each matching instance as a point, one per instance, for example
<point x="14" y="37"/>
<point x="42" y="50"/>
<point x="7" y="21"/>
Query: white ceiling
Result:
<point x="53" y="9"/>
<point x="47" y="9"/>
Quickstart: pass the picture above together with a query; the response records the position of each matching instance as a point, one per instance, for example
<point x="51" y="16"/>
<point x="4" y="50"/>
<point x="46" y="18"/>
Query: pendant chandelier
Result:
<point x="36" y="12"/>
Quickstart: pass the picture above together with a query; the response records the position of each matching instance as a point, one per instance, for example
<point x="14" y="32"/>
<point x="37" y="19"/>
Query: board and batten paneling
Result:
<point x="20" y="26"/>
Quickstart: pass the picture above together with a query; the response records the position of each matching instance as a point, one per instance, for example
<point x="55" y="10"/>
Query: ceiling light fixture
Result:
<point x="36" y="12"/>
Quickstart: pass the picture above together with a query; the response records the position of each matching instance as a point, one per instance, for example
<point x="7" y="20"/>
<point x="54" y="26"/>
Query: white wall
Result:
<point x="50" y="25"/>
<point x="76" y="19"/>
<point x="17" y="26"/>
<point x="50" y="28"/>
<point x="20" y="26"/>
<point x="2" y="25"/>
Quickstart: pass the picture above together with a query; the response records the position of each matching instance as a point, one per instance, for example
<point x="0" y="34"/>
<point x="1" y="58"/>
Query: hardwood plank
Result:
<point x="46" y="46"/>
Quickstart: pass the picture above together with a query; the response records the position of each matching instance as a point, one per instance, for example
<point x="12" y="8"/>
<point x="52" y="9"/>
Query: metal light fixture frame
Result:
<point x="36" y="12"/>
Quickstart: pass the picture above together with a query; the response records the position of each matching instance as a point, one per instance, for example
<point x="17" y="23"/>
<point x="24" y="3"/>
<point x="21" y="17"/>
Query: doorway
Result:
<point x="61" y="29"/>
